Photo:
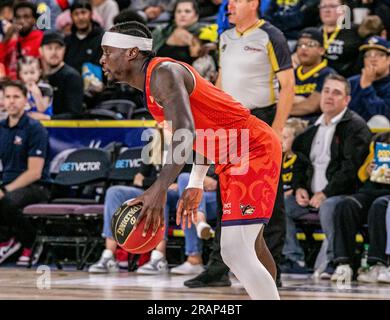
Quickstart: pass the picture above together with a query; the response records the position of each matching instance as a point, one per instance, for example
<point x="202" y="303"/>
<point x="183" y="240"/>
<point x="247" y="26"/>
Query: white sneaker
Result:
<point x="106" y="264"/>
<point x="371" y="275"/>
<point x="156" y="265"/>
<point x="203" y="230"/>
<point x="187" y="268"/>
<point x="343" y="273"/>
<point x="384" y="276"/>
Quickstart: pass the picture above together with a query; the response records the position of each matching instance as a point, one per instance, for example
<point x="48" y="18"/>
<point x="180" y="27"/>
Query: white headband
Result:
<point x="124" y="41"/>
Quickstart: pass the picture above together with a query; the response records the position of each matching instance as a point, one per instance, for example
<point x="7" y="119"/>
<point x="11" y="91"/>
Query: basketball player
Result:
<point x="175" y="92"/>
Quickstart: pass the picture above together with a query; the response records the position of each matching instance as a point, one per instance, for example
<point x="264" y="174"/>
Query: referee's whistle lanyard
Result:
<point x="328" y="40"/>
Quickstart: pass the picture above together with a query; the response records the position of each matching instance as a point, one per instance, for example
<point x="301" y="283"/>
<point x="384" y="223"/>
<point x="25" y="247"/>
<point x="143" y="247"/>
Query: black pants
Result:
<point x="11" y="215"/>
<point x="351" y="214"/>
<point x="275" y="231"/>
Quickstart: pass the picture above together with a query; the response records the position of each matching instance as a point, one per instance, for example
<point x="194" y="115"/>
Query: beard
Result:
<point x="24" y="32"/>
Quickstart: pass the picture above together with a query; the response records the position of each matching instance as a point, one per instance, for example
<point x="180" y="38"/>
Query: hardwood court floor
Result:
<point x="20" y="283"/>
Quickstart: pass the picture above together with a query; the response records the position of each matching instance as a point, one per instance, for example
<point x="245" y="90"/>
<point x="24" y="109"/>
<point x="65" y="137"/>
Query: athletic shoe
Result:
<point x="327" y="273"/>
<point x="384" y="276"/>
<point x="8" y="248"/>
<point x="24" y="259"/>
<point x="156" y="265"/>
<point x="106" y="264"/>
<point x="206" y="279"/>
<point x="294" y="267"/>
<point x="343" y="273"/>
<point x="187" y="268"/>
<point x="122" y="258"/>
<point x="371" y="275"/>
<point x="203" y="230"/>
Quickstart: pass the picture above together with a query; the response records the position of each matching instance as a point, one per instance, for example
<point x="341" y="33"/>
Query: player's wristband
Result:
<point x="198" y="173"/>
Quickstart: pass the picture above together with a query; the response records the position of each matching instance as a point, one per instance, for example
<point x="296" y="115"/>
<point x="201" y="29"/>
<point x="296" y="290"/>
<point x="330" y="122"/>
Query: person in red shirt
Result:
<point x="21" y="38"/>
<point x="192" y="107"/>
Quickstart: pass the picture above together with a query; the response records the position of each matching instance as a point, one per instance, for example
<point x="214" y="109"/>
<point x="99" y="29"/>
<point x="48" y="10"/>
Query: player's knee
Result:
<point x="229" y="252"/>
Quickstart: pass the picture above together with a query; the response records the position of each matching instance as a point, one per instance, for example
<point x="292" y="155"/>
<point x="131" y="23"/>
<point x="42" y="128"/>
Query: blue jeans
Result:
<point x="292" y="249"/>
<point x="208" y="205"/>
<point x="116" y="195"/>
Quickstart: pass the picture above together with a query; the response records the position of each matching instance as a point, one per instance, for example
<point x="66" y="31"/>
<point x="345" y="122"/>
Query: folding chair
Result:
<point x="120" y="106"/>
<point x="74" y="221"/>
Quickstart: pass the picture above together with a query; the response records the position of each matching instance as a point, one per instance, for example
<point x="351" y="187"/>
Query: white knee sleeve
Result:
<point x="239" y="254"/>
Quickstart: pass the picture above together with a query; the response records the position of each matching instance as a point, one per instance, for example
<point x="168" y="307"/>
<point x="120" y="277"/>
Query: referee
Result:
<point x="256" y="69"/>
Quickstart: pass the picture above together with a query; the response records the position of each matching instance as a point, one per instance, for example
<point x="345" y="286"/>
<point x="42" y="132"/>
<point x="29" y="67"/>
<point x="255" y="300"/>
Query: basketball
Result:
<point x="131" y="240"/>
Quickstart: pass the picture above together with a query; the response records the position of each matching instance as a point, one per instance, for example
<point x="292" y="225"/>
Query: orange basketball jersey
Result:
<point x="211" y="107"/>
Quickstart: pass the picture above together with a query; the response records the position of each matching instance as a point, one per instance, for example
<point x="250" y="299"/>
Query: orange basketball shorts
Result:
<point x="248" y="189"/>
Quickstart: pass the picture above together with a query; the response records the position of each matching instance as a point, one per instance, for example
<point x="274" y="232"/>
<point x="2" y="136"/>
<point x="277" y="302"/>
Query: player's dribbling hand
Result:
<point x="153" y="203"/>
<point x="187" y="209"/>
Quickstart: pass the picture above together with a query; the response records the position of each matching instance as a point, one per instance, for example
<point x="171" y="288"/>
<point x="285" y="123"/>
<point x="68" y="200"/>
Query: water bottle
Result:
<point x="364" y="260"/>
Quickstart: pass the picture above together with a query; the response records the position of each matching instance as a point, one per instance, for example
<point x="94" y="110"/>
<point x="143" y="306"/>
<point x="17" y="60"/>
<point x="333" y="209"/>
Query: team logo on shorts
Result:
<point x="247" y="210"/>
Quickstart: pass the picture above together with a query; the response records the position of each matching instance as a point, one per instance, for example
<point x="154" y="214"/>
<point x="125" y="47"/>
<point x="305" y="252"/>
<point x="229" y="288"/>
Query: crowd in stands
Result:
<point x="330" y="142"/>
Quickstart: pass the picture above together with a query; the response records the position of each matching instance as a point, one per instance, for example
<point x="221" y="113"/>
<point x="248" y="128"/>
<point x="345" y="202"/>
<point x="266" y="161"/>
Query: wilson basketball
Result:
<point x="131" y="240"/>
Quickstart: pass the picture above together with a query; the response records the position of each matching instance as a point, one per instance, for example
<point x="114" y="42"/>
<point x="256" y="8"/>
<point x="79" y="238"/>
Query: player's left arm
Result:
<point x="171" y="85"/>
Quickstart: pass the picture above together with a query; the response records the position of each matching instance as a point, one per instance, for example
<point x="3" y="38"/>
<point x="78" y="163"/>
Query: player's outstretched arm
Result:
<point x="171" y="85"/>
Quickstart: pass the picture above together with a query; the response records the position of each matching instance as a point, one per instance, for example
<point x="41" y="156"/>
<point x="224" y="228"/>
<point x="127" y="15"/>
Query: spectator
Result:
<point x="24" y="152"/>
<point x="6" y="10"/>
<point x="380" y="8"/>
<point x="371" y="89"/>
<point x="310" y="75"/>
<point x="293" y="128"/>
<point x="372" y="26"/>
<point x="116" y="195"/>
<point x="40" y="94"/>
<point x="66" y="82"/>
<point x="64" y="22"/>
<point x="84" y="44"/>
<point x="199" y="50"/>
<point x="368" y="204"/>
<point x="107" y="10"/>
<point x="329" y="153"/>
<point x="174" y="39"/>
<point x="341" y="44"/>
<point x="201" y="230"/>
<point x="21" y="38"/>
<point x="153" y="10"/>
<point x="293" y="16"/>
